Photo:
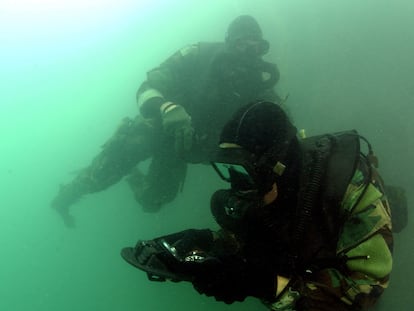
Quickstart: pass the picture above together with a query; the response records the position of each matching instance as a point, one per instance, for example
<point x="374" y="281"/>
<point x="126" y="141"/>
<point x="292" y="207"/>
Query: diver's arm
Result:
<point x="166" y="82"/>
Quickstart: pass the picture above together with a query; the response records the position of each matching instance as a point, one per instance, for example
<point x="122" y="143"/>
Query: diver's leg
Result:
<point x="131" y="143"/>
<point x="165" y="177"/>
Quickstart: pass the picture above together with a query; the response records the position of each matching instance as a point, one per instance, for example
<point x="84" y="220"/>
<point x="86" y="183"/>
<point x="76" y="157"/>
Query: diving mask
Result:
<point x="236" y="166"/>
<point x="244" y="171"/>
<point x="251" y="46"/>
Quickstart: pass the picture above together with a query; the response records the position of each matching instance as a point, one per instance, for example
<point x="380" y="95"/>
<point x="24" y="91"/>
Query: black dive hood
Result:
<point x="254" y="146"/>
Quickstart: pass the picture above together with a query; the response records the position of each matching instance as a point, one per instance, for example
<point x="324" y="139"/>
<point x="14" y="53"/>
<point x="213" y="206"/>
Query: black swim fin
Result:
<point x="181" y="256"/>
<point x="156" y="260"/>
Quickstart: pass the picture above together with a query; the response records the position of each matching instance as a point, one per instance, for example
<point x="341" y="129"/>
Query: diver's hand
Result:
<point x="177" y="123"/>
<point x="234" y="280"/>
<point x="223" y="282"/>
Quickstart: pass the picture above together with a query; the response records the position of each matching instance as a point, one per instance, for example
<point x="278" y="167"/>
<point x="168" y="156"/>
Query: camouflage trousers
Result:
<point x="134" y="141"/>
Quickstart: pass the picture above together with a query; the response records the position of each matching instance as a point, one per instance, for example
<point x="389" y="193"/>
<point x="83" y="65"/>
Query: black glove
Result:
<point x="233" y="279"/>
<point x="177" y="123"/>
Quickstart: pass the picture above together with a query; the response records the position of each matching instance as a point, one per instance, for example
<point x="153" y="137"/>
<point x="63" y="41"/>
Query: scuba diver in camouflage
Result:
<point x="183" y="105"/>
<point x="305" y="225"/>
<point x="311" y="213"/>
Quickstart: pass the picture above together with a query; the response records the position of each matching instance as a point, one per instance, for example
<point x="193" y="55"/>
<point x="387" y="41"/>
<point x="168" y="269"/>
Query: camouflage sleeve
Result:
<point x="364" y="249"/>
<point x="165" y="82"/>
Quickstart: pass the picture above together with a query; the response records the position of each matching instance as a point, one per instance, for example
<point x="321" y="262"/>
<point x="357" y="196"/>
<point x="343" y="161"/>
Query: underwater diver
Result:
<point x="305" y="224"/>
<point x="183" y="105"/>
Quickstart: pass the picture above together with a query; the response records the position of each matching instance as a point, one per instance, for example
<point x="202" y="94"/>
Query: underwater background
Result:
<point x="69" y="71"/>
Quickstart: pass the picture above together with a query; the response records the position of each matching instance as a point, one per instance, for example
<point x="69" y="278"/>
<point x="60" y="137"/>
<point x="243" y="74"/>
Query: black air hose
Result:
<point x="306" y="204"/>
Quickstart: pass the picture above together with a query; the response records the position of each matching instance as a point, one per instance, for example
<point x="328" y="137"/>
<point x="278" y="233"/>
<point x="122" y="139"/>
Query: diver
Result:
<point x="305" y="223"/>
<point x="183" y="105"/>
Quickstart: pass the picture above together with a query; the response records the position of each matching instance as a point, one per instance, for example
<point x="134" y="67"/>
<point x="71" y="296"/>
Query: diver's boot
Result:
<point x="68" y="195"/>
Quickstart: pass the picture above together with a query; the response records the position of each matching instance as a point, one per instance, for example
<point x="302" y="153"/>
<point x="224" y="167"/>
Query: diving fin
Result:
<point x="160" y="265"/>
<point x="180" y="256"/>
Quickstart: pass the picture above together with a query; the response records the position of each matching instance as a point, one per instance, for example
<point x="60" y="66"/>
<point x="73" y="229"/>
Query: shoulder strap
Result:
<point x="341" y="166"/>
